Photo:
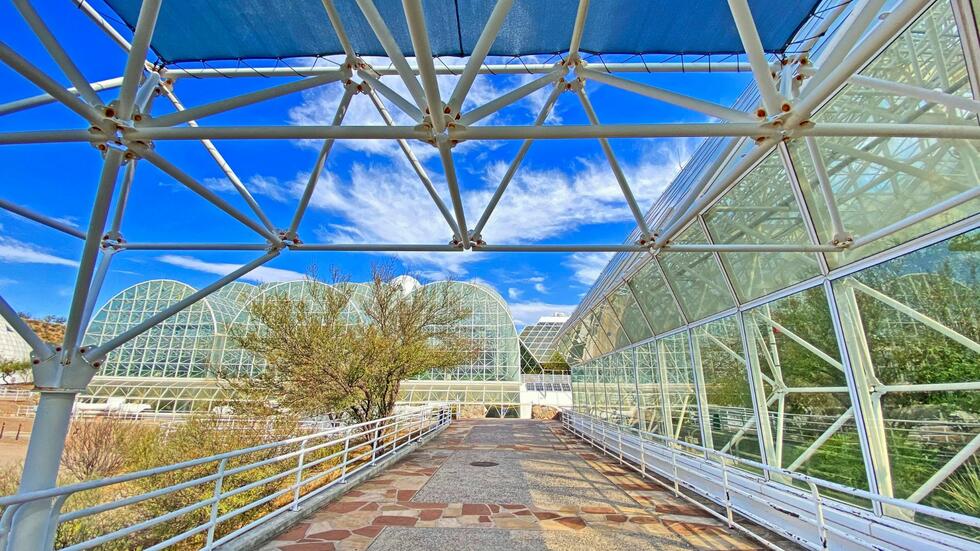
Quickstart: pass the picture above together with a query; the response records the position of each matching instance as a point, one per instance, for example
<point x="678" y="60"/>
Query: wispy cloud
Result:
<point x="586" y="267"/>
<point x="514" y="293"/>
<point x="540" y="287"/>
<point x="261" y="274"/>
<point x="18" y="252"/>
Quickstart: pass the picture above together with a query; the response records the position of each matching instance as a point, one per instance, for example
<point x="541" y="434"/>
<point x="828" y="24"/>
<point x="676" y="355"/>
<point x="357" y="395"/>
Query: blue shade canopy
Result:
<point x="191" y="30"/>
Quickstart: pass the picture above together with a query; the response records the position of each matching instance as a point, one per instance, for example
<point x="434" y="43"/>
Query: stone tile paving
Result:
<point x="548" y="490"/>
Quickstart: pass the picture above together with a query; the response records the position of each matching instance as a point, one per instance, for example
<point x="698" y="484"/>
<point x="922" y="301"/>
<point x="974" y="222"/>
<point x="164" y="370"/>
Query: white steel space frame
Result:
<point x="125" y="132"/>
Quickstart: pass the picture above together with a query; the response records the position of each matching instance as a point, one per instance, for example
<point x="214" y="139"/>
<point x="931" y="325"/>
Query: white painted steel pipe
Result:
<point x="41" y="219"/>
<point x="517" y="94"/>
<point x="479" y="54"/>
<point x="46" y="99"/>
<point x="423" y="57"/>
<point x="660" y="94"/>
<point x="19" y="64"/>
<point x="136" y="60"/>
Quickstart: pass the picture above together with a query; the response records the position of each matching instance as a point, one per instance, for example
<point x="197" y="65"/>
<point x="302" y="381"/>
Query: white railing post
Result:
<point x="818" y="512"/>
<point x="299" y="473"/>
<point x="343" y="468"/>
<point x="728" y="494"/>
<point x="213" y="522"/>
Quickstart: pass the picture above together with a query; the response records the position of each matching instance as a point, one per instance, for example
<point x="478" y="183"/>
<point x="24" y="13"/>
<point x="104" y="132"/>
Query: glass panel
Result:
<point x="762" y="210"/>
<point x="696" y="278"/>
<point x="653" y="297"/>
<point x="880" y="181"/>
<point x="626" y="309"/>
<point x="678" y="377"/>
<point x="918" y="317"/>
<point x="793" y="344"/>
<point x="731" y="418"/>
<point x="610" y="327"/>
<point x="651" y="412"/>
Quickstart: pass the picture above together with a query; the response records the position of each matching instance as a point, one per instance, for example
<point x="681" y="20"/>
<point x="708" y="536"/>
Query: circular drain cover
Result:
<point x="483" y="464"/>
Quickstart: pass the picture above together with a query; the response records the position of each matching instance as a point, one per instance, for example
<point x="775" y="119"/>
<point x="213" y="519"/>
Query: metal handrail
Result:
<point x="358" y="447"/>
<point x="724" y="459"/>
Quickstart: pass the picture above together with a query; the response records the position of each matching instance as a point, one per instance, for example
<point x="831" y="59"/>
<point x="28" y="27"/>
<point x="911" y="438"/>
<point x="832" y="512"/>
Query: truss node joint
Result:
<point x="50" y="375"/>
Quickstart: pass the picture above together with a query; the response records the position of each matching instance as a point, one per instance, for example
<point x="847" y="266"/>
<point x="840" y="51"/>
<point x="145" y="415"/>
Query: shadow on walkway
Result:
<point x="509" y="484"/>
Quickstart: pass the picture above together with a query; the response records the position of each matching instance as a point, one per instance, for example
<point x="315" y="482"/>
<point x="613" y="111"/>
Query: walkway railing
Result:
<point x="768" y="496"/>
<point x="234" y="491"/>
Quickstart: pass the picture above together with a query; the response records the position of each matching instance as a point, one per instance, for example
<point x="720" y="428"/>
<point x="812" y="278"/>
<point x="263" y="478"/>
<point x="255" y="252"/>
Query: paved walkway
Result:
<point x="508" y="485"/>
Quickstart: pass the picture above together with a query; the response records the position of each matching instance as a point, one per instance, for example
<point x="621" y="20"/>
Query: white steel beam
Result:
<point x="49" y="85"/>
<point x="423" y="56"/>
<point x="516" y="162"/>
<point x="837" y="47"/>
<point x="90" y="252"/>
<point x="578" y="30"/>
<point x="485" y="69"/>
<point x="98" y="353"/>
<point x="198" y="188"/>
<point x="478" y="55"/>
<point x="946" y="470"/>
<point x="220" y="106"/>
<point x="614" y="166"/>
<point x="918" y="92"/>
<point x="449" y="169"/>
<point x="321" y="159"/>
<point x="45" y="99"/>
<point x="745" y="24"/>
<point x="395" y="54"/>
<point x="394" y="97"/>
<point x="900" y="225"/>
<point x="826" y="190"/>
<point x="416" y="166"/>
<point x="51" y="44"/>
<point x="41" y="349"/>
<point x="338" y="28"/>
<point x="521" y="92"/>
<point x="41" y="219"/>
<point x="687" y="102"/>
<point x="136" y="60"/>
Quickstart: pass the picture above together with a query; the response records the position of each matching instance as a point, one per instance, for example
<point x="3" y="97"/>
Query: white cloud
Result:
<point x="539" y="287"/>
<point x="586" y="267"/>
<point x="513" y="293"/>
<point x="17" y="252"/>
<point x="525" y="313"/>
<point x="535" y="279"/>
<point x="261" y="274"/>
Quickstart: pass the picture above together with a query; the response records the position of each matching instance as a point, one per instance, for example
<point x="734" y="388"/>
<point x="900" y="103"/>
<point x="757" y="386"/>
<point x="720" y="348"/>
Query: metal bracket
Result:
<point x="50" y="375"/>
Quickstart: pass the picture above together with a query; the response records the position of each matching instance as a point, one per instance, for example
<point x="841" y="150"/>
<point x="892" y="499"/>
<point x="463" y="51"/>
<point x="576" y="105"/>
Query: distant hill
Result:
<point x="49" y="331"/>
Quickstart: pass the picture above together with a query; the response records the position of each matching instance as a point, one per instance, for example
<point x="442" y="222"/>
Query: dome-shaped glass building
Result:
<point x="174" y="367"/>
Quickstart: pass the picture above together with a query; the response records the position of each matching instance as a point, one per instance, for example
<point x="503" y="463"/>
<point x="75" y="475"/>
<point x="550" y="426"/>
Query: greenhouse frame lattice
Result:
<point x="854" y="151"/>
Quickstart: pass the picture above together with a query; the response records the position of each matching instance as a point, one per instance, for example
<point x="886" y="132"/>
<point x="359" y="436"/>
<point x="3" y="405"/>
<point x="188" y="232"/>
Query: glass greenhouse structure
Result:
<point x="860" y="366"/>
<point x="790" y="332"/>
<point x="173" y="366"/>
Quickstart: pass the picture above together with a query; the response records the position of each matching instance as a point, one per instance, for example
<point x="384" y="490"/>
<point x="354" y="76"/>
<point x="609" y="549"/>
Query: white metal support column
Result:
<point x="757" y="390"/>
<point x="846" y="319"/>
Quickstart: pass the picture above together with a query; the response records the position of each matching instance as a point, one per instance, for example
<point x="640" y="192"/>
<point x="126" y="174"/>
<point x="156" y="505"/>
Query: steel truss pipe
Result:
<point x="516" y="162"/>
<point x="41" y="219"/>
<point x="49" y="85"/>
<point x="514" y="95"/>
<point x="192" y="246"/>
<point x="835" y="75"/>
<point x="321" y="159"/>
<point x="45" y="99"/>
<point x="515" y="68"/>
<point x="544" y="248"/>
<point x="98" y="353"/>
<point x="213" y="198"/>
<point x="745" y="24"/>
<point x="416" y="166"/>
<point x="614" y="166"/>
<point x="136" y="60"/>
<point x="579" y="29"/>
<point x="90" y="253"/>
<point x="68" y="67"/>
<point x="449" y="170"/>
<point x="938" y="208"/>
<point x="687" y="102"/>
<point x="41" y="349"/>
<point x="582" y="131"/>
<point x="374" y="247"/>
<point x="479" y="54"/>
<point x="747" y="247"/>
<point x="394" y="97"/>
<point x="394" y="52"/>
<point x="423" y="56"/>
<point x="280" y="133"/>
<point x="201" y="111"/>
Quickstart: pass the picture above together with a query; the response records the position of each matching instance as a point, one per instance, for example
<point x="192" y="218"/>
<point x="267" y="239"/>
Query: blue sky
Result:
<point x="563" y="193"/>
